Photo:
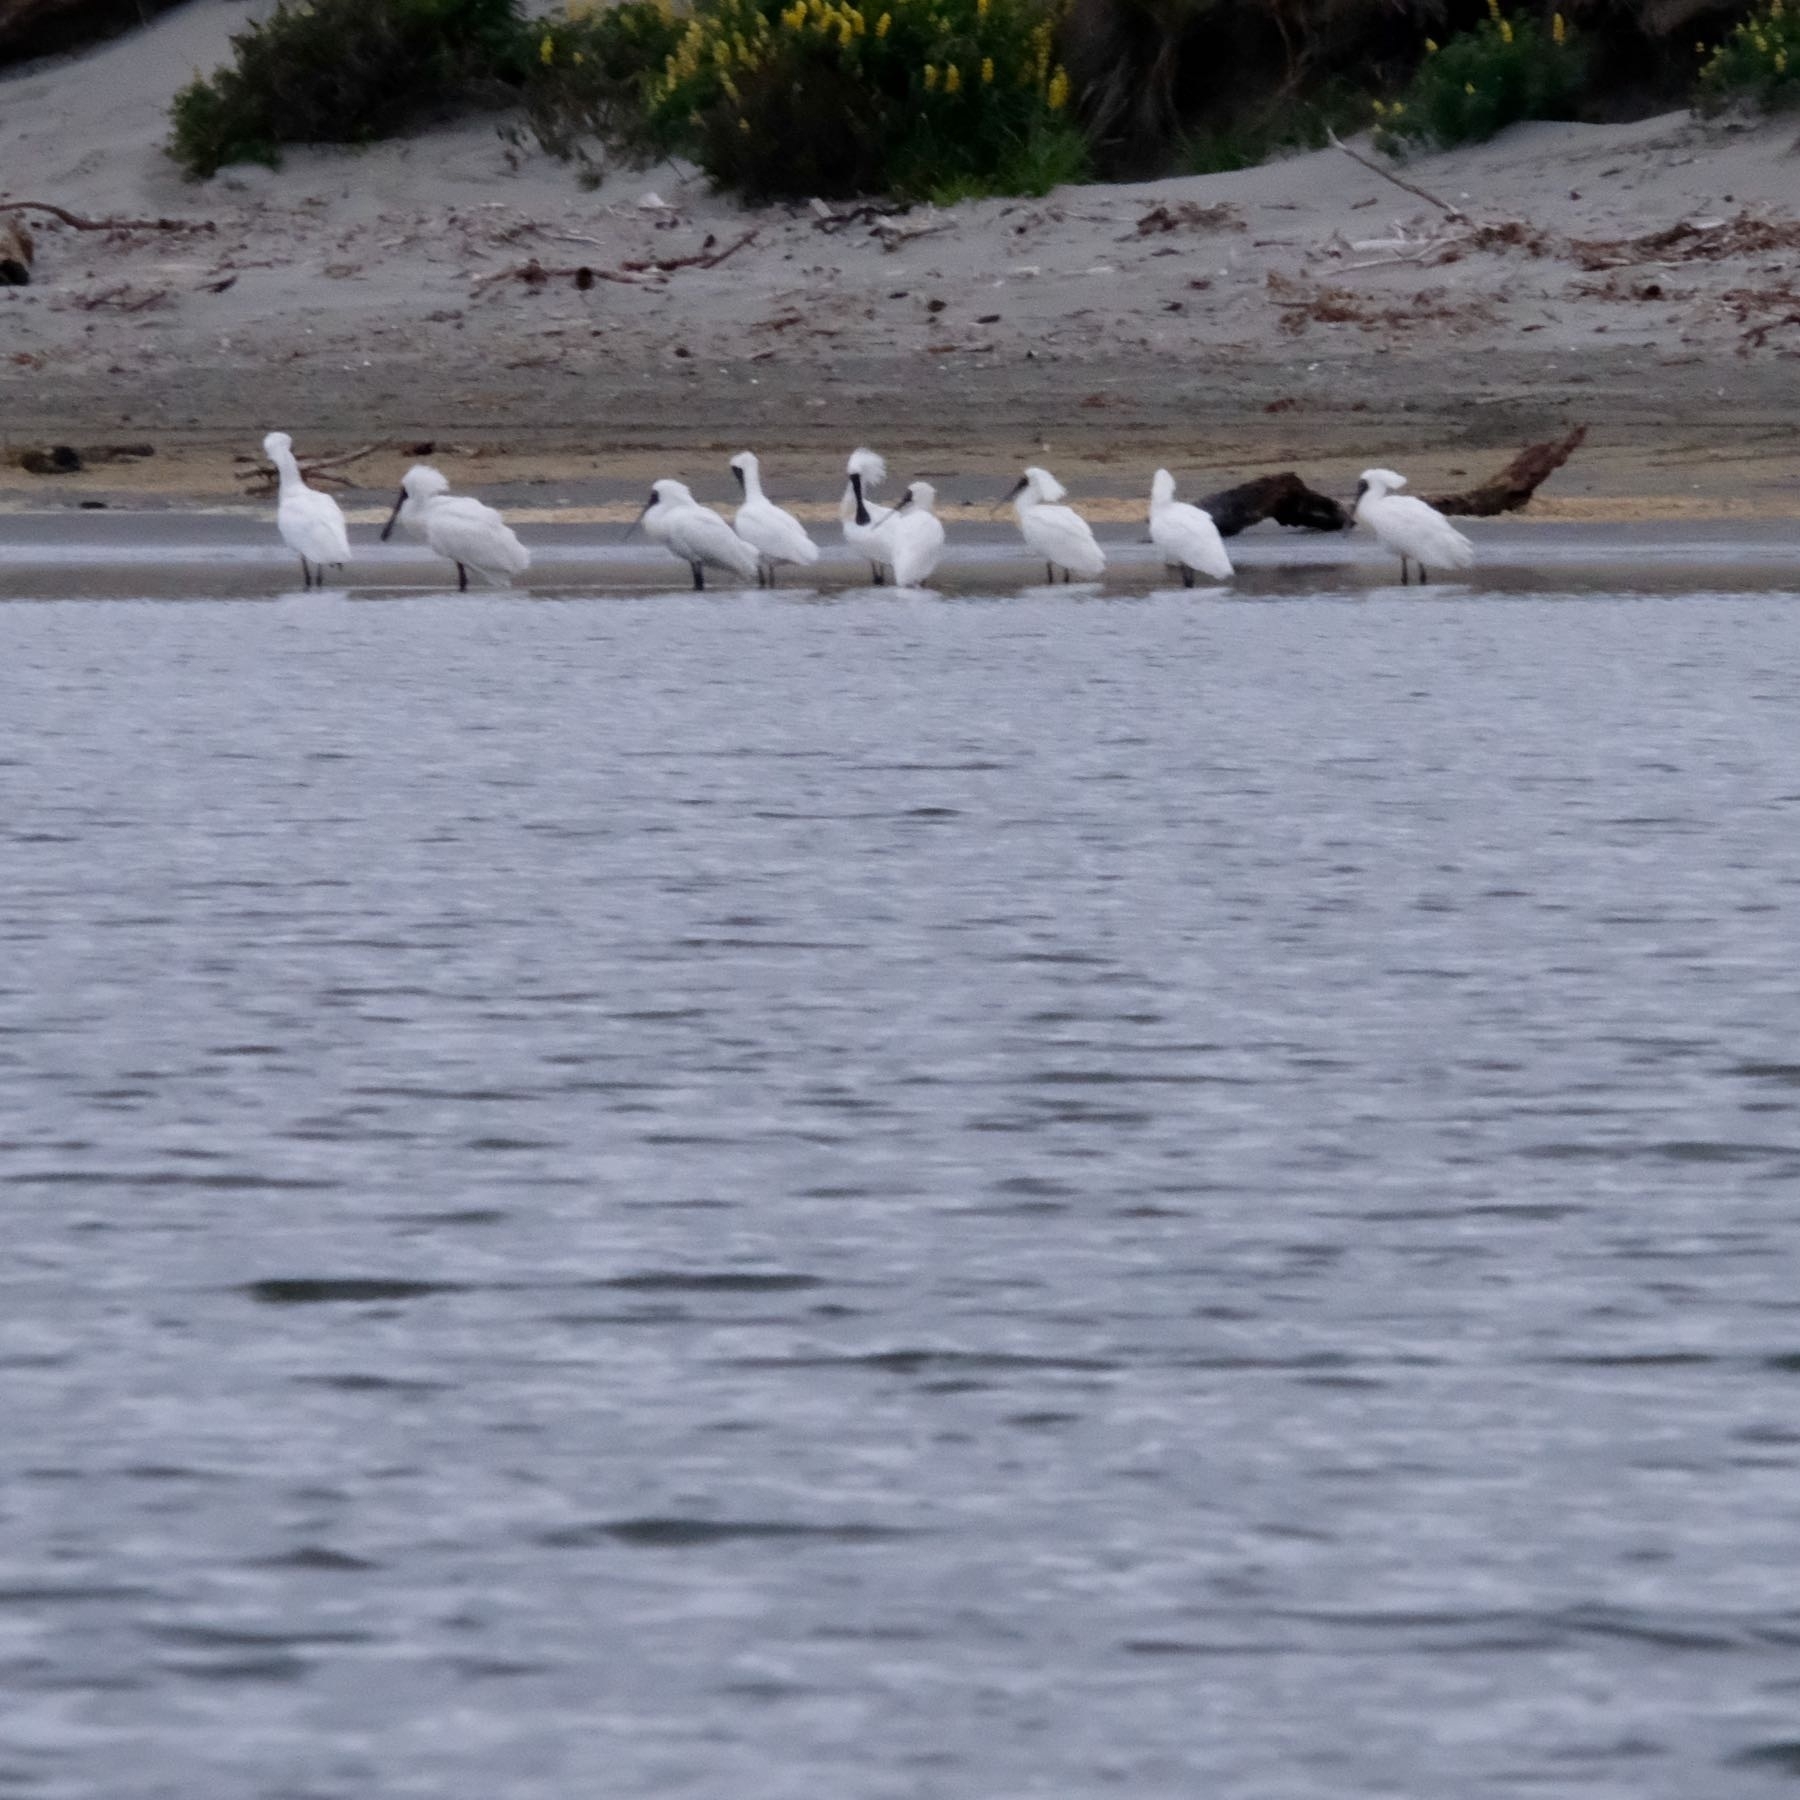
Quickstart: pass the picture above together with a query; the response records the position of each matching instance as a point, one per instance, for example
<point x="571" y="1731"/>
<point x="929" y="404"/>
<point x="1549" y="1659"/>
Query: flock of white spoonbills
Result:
<point x="902" y="543"/>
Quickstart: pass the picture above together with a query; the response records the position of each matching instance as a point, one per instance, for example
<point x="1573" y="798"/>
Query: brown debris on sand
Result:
<point x="1516" y="483"/>
<point x="1189" y="215"/>
<point x="1712" y="240"/>
<point x="1301" y="304"/>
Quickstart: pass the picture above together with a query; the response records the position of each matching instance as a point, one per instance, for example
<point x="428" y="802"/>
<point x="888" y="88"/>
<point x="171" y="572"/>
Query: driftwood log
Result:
<point x="1287" y="499"/>
<point x="15" y="253"/>
<point x="1516" y="483"/>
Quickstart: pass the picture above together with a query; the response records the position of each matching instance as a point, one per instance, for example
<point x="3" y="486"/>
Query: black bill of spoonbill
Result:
<point x="862" y="519"/>
<point x="1059" y="534"/>
<point x="1415" y="532"/>
<point x="915" y="536"/>
<point x="460" y="529"/>
<point x="1186" y="535"/>
<point x="696" y="534"/>
<point x="775" y="534"/>
<point x="311" y="524"/>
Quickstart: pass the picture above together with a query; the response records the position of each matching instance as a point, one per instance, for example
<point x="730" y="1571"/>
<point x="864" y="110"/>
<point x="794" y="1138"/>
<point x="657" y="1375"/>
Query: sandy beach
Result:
<point x="1643" y="279"/>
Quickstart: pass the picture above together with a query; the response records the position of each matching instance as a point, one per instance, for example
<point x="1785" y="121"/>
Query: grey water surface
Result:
<point x="887" y="1198"/>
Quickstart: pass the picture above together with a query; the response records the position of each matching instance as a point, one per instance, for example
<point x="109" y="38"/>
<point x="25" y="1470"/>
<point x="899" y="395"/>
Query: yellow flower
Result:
<point x="1056" y="97"/>
<point x="931" y="78"/>
<point x="1469" y="87"/>
<point x="1506" y="31"/>
<point x="1559" y="29"/>
<point x="547" y="52"/>
<point x="1431" y="46"/>
<point x="953" y="80"/>
<point x="987" y="71"/>
<point x="981" y="9"/>
<point x="580" y="58"/>
<point x="744" y="126"/>
<point x="1380" y="110"/>
<point x="1399" y="108"/>
<point x="1494" y="10"/>
<point x="882" y="24"/>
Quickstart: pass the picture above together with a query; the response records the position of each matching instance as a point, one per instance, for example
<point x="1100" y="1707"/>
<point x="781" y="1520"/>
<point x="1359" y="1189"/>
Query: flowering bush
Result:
<point x="588" y="75"/>
<point x="340" y="72"/>
<point x="1760" y="61"/>
<point x="1507" y="69"/>
<point x="792" y="98"/>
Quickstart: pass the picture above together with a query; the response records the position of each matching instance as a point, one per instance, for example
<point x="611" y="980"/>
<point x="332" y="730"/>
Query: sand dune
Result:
<point x="1307" y="309"/>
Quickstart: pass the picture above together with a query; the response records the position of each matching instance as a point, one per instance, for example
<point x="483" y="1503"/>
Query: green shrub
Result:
<point x="341" y="72"/>
<point x="1759" y="61"/>
<point x="908" y="97"/>
<point x="1505" y="70"/>
<point x="588" y="76"/>
<point x="1281" y="127"/>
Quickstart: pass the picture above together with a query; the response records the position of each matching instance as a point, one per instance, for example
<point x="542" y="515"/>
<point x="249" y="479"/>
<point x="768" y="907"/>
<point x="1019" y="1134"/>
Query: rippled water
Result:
<point x="750" y="1198"/>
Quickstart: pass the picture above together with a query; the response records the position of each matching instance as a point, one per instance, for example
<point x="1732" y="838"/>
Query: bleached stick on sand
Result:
<point x="1375" y="168"/>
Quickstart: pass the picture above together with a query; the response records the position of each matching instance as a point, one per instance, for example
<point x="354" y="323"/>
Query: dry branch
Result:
<point x="77" y="223"/>
<point x="1516" y="483"/>
<point x="262" y="479"/>
<point x="1375" y="168"/>
<point x="665" y="265"/>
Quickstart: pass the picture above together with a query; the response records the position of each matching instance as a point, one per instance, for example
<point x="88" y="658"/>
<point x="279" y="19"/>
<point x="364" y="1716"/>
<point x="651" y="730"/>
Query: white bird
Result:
<point x="915" y="535"/>
<point x="1186" y="535"/>
<point x="864" y="521"/>
<point x="697" y="534"/>
<point x="774" y="533"/>
<point x="1059" y="534"/>
<point x="458" y="528"/>
<point x="1414" y="531"/>
<point x="311" y="524"/>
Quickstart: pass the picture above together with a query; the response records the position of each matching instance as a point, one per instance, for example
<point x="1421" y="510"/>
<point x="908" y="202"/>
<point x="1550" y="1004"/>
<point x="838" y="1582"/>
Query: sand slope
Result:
<point x="357" y="294"/>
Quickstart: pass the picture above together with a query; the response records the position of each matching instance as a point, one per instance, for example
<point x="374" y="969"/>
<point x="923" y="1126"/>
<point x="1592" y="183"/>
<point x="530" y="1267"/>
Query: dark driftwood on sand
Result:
<point x="1516" y="483"/>
<point x="1284" y="498"/>
<point x="1288" y="500"/>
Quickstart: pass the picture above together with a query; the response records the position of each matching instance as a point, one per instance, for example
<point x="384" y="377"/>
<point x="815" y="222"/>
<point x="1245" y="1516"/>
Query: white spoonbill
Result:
<point x="1059" y="534"/>
<point x="1414" y="531"/>
<point x="696" y="534"/>
<point x="1186" y="535"/>
<point x="459" y="529"/>
<point x="915" y="535"/>
<point x="775" y="534"/>
<point x="311" y="524"/>
<point x="863" y="521"/>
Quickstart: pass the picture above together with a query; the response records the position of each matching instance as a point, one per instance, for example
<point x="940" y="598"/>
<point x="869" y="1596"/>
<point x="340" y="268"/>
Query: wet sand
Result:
<point x="183" y="554"/>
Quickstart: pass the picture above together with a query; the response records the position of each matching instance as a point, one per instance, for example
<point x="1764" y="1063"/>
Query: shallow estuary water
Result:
<point x="886" y="1198"/>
